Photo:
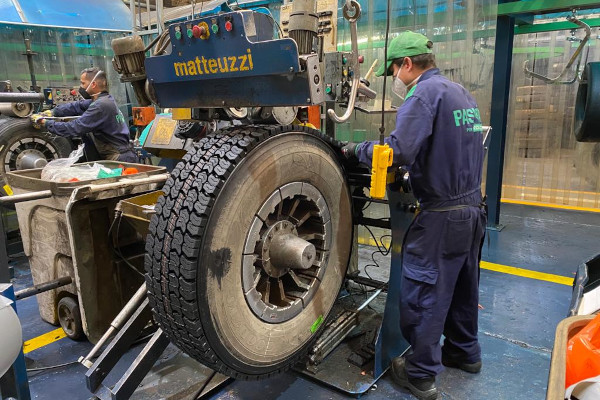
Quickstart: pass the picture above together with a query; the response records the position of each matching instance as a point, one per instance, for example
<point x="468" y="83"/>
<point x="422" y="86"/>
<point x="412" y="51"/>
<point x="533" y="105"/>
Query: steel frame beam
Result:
<point x="554" y="26"/>
<point x="505" y="32"/>
<point x="513" y="8"/>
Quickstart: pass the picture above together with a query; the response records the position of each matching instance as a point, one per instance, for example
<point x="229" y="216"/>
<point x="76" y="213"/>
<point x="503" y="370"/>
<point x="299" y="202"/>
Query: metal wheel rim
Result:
<point x="67" y="321"/>
<point x="296" y="208"/>
<point x="33" y="144"/>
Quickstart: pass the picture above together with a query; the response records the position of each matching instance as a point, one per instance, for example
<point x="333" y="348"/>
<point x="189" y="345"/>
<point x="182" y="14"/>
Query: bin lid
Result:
<point x="29" y="180"/>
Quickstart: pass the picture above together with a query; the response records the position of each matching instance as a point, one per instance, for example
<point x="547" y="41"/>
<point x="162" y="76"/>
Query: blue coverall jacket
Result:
<point x="438" y="139"/>
<point x="103" y="119"/>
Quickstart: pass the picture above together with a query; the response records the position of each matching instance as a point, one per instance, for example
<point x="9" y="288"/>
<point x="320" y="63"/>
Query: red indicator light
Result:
<point x="73" y="92"/>
<point x="228" y="26"/>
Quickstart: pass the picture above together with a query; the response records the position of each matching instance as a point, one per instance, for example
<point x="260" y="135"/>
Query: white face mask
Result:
<point x="399" y="88"/>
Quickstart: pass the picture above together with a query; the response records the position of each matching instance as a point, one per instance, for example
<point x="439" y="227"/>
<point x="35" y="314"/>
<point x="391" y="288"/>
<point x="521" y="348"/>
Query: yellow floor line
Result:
<point x="43" y="340"/>
<point x="526" y="273"/>
<point x="541" y="276"/>
<point x="535" y="189"/>
<point x="58" y="334"/>
<point x="550" y="205"/>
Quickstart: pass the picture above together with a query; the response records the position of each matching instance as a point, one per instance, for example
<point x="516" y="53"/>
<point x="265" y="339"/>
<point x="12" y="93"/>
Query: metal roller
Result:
<point x="27" y="97"/>
<point x="21" y="110"/>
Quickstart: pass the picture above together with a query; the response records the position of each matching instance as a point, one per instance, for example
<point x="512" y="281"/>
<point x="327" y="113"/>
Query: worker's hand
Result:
<point x="349" y="151"/>
<point x="47" y="113"/>
<point x="37" y="120"/>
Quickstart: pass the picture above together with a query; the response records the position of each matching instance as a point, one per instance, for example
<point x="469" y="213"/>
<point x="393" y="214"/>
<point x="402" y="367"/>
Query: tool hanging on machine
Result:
<point x="352" y="12"/>
<point x="383" y="154"/>
<point x="575" y="57"/>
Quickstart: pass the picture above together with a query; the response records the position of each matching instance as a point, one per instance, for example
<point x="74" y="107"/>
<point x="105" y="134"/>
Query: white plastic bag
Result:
<point x="62" y="170"/>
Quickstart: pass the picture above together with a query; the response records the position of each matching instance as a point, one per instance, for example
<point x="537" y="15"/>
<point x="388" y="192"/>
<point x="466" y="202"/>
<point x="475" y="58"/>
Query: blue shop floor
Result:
<point x="517" y="322"/>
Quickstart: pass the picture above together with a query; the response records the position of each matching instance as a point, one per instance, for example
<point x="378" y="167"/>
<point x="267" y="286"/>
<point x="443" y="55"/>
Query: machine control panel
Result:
<point x="61" y="95"/>
<point x="256" y="27"/>
<point x="338" y="77"/>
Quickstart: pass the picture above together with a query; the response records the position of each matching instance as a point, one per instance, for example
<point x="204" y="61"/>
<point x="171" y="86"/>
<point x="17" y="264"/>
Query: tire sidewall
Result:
<point x="230" y="325"/>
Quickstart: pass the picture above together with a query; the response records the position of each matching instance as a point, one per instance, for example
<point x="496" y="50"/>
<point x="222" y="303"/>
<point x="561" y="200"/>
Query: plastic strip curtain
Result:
<point x="463" y="32"/>
<point x="544" y="163"/>
<point x="62" y="54"/>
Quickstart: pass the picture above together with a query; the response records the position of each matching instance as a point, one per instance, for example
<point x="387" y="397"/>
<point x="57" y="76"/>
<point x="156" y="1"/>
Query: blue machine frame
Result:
<point x="237" y="64"/>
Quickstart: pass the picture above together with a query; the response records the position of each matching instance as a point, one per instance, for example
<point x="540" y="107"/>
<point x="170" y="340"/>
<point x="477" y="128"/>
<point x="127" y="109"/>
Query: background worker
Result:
<point x="101" y="123"/>
<point x="438" y="139"/>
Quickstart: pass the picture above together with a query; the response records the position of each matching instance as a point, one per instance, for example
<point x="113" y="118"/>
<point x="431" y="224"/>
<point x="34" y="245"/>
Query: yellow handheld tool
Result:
<point x="383" y="156"/>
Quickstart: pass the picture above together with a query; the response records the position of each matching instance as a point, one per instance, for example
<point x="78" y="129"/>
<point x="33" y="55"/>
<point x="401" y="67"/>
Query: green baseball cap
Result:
<point x="406" y="44"/>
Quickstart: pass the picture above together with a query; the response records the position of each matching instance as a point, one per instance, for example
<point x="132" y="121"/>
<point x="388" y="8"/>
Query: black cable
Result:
<point x="385" y="52"/>
<point x="52" y="366"/>
<point x="384" y="252"/>
<point x="204" y="385"/>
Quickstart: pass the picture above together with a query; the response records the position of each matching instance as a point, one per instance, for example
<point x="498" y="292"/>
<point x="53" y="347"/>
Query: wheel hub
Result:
<point x="28" y="153"/>
<point x="29" y="159"/>
<point x="286" y="252"/>
<point x="282" y="238"/>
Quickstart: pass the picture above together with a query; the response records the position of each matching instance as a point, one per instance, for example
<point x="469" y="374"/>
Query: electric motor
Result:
<point x="129" y="63"/>
<point x="304" y="24"/>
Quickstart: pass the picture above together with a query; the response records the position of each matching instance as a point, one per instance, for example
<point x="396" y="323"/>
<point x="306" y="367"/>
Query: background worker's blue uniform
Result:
<point x="103" y="119"/>
<point x="438" y="139"/>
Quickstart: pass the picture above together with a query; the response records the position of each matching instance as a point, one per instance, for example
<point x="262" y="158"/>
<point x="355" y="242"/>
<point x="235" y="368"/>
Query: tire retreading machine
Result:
<point x="255" y="235"/>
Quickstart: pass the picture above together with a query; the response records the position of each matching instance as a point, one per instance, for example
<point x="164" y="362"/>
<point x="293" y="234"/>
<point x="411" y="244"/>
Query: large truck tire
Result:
<point x="21" y="145"/>
<point x="586" y="124"/>
<point x="224" y="279"/>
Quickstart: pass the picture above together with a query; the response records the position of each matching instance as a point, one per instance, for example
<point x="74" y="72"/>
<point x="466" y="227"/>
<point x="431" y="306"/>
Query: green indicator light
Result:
<point x="215" y="28"/>
<point x="190" y="33"/>
<point x="177" y="35"/>
<point x="344" y="60"/>
<point x="328" y="90"/>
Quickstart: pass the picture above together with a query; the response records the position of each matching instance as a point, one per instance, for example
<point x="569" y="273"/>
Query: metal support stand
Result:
<point x="505" y="31"/>
<point x="127" y="325"/>
<point x="390" y="342"/>
<point x="348" y="367"/>
<point x="14" y="383"/>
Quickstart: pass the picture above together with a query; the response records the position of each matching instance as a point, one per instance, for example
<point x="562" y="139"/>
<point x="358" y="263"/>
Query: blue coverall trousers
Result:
<point x="440" y="288"/>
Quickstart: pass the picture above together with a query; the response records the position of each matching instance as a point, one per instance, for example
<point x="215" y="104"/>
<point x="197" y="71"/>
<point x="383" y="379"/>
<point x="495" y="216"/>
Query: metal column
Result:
<point x="505" y="29"/>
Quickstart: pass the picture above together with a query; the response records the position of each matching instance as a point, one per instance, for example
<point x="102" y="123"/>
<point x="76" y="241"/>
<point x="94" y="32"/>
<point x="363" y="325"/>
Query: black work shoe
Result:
<point x="450" y="362"/>
<point x="421" y="388"/>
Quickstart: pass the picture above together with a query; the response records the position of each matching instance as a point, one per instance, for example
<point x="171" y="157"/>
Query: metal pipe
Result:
<point x="116" y="324"/>
<point x="28" y="97"/>
<point x="43" y="287"/>
<point x="378" y="223"/>
<point x="366" y="91"/>
<point x="574" y="57"/>
<point x="138" y="3"/>
<point x="361" y="280"/>
<point x="370" y="299"/>
<point x="30" y="55"/>
<point x="152" y="43"/>
<point x="122" y="183"/>
<point x="355" y="64"/>
<point x="19" y="198"/>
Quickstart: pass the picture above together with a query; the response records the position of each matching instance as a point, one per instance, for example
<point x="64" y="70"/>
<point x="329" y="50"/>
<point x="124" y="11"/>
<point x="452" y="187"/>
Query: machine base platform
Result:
<point x="336" y="371"/>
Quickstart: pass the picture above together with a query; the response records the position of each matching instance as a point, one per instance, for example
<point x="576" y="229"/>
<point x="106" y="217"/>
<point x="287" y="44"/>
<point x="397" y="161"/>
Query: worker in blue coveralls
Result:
<point x="438" y="139"/>
<point x="100" y="117"/>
